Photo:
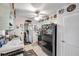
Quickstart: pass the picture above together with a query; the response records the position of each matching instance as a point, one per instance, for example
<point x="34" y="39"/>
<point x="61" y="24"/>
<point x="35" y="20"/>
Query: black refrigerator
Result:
<point x="48" y="35"/>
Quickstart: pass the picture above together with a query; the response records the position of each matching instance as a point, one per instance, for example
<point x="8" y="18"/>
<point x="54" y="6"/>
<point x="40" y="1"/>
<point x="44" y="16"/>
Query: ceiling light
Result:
<point x="37" y="18"/>
<point x="43" y="12"/>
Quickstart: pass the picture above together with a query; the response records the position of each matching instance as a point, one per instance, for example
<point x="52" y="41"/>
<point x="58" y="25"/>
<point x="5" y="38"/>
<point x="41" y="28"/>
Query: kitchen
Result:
<point x="39" y="29"/>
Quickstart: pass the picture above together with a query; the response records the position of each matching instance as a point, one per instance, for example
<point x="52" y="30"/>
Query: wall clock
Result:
<point x="71" y="8"/>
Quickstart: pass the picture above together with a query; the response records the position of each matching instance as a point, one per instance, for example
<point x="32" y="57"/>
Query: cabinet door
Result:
<point x="4" y="16"/>
<point x="4" y="10"/>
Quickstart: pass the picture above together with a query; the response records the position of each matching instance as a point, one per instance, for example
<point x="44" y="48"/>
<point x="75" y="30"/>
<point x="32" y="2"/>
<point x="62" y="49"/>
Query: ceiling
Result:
<point x="29" y="9"/>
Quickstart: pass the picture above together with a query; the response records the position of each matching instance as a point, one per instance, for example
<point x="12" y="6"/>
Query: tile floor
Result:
<point x="37" y="49"/>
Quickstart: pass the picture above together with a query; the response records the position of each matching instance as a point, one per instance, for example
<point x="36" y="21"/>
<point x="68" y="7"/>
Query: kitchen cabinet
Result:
<point x="6" y="16"/>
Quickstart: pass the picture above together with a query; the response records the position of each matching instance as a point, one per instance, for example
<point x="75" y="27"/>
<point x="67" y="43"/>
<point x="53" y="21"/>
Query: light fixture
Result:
<point x="40" y="12"/>
<point x="37" y="18"/>
<point x="39" y="15"/>
<point x="43" y="12"/>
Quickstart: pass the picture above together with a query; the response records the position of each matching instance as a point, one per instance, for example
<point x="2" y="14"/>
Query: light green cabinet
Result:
<point x="6" y="16"/>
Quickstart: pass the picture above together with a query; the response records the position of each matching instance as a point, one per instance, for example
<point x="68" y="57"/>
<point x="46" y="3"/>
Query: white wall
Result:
<point x="68" y="31"/>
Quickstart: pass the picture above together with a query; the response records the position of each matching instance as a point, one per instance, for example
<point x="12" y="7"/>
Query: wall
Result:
<point x="19" y="20"/>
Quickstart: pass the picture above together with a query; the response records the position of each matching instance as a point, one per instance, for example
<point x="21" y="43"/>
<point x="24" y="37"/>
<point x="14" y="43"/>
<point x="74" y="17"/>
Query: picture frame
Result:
<point x="71" y="7"/>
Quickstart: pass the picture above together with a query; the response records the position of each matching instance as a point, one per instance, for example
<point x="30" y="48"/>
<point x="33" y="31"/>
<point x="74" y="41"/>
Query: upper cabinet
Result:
<point x="6" y="16"/>
<point x="4" y="10"/>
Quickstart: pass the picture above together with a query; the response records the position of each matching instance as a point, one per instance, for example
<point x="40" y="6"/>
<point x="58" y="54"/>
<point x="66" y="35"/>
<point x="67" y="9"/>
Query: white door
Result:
<point x="70" y="42"/>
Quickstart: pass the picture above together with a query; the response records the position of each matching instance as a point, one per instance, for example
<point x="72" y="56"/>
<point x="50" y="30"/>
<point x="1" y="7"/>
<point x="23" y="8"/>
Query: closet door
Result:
<point x="70" y="42"/>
